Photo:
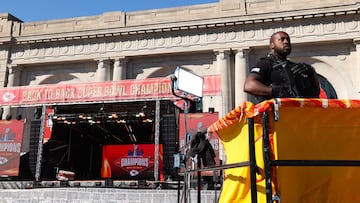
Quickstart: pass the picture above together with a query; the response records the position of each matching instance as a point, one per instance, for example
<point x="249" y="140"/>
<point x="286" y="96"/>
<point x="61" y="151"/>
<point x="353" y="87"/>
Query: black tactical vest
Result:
<point x="300" y="86"/>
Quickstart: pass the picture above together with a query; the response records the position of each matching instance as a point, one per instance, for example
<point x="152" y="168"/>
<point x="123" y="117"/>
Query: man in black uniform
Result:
<point x="276" y="77"/>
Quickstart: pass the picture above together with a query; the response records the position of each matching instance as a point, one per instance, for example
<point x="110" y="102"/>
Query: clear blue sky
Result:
<point x="39" y="10"/>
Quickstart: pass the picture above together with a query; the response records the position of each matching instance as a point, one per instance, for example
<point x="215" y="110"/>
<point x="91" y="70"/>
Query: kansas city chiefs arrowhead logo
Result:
<point x="3" y="160"/>
<point x="8" y="96"/>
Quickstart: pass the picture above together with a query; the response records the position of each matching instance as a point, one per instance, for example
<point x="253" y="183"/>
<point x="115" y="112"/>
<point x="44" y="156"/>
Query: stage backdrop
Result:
<point x="11" y="133"/>
<point x="308" y="129"/>
<point x="130" y="162"/>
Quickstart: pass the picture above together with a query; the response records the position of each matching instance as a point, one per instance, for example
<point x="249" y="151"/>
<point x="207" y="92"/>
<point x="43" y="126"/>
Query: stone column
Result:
<point x="103" y="71"/>
<point x="14" y="76"/>
<point x="119" y="72"/>
<point x="223" y="66"/>
<point x="357" y="66"/>
<point x="13" y="79"/>
<point x="241" y="66"/>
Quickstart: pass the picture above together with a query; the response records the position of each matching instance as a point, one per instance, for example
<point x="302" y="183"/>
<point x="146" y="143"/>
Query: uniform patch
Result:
<point x="256" y="70"/>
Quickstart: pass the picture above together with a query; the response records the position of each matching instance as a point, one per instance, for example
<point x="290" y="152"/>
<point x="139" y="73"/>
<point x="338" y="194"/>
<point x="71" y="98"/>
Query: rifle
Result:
<point x="289" y="79"/>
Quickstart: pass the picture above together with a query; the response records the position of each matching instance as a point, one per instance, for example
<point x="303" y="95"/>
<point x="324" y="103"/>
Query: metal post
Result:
<point x="199" y="179"/>
<point x="253" y="167"/>
<point x="267" y="160"/>
<point x="187" y="177"/>
<point x="215" y="181"/>
<point x="178" y="184"/>
<point x="186" y="174"/>
<point x="69" y="148"/>
<point x="157" y="135"/>
<point x="40" y="145"/>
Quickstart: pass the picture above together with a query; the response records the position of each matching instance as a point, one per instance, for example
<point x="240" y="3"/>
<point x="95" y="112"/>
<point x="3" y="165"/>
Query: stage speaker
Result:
<point x="170" y="143"/>
<point x="37" y="112"/>
<point x="34" y="144"/>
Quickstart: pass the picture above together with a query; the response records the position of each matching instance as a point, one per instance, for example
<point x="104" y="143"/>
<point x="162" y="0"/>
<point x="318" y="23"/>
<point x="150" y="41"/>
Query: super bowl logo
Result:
<point x="134" y="162"/>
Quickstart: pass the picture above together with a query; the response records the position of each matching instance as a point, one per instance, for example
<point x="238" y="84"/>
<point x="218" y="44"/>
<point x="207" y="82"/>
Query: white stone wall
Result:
<point x="100" y="195"/>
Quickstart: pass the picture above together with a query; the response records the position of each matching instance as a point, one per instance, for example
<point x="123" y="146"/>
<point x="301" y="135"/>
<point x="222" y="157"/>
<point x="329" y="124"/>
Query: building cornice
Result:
<point x="9" y="17"/>
<point x="233" y="20"/>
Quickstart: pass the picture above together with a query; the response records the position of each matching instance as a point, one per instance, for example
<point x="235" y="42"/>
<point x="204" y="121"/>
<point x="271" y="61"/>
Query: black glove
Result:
<point x="279" y="91"/>
<point x="301" y="69"/>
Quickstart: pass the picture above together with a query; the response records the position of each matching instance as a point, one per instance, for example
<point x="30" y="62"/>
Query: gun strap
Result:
<point x="289" y="78"/>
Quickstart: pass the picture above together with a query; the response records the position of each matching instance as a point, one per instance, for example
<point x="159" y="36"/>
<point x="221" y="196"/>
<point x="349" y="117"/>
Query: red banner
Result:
<point x="130" y="161"/>
<point x="100" y="91"/>
<point x="199" y="122"/>
<point x="48" y="124"/>
<point x="11" y="133"/>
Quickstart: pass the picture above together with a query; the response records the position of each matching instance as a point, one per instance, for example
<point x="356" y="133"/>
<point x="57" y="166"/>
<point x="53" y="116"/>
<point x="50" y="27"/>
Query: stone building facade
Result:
<point x="222" y="38"/>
